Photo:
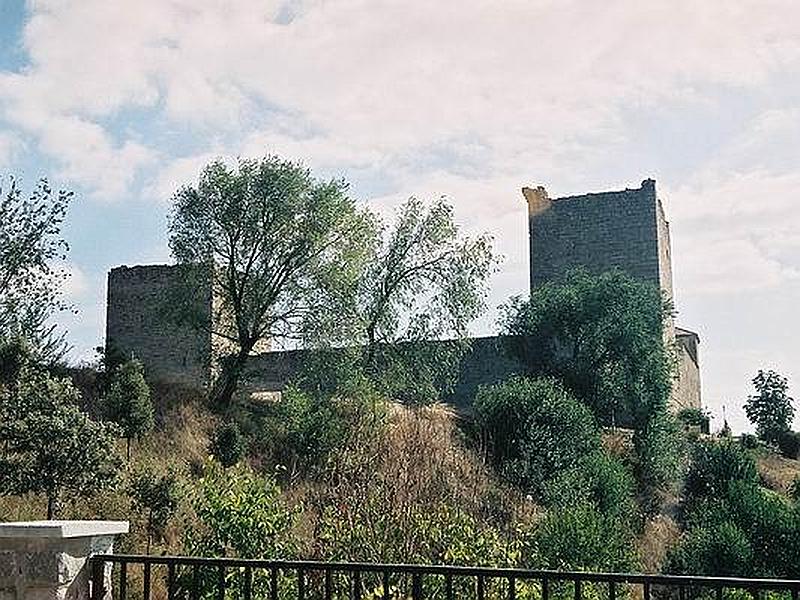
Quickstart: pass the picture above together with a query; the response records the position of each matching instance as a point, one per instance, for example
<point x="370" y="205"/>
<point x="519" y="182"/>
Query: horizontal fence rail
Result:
<point x="193" y="578"/>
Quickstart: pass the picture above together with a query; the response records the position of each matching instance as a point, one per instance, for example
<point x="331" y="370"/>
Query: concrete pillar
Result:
<point x="47" y="560"/>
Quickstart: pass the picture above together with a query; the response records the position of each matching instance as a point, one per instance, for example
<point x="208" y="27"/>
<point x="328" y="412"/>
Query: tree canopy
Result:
<point x="770" y="409"/>
<point x="603" y="336"/>
<point x="282" y="247"/>
<point x="128" y="401"/>
<point x="47" y="444"/>
<point x="31" y="246"/>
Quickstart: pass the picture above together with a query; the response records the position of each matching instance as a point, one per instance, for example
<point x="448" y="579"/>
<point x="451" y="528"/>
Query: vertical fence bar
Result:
<point x="719" y="591"/>
<point x="195" y="591"/>
<point x="794" y="593"/>
<point x="545" y="588"/>
<point x="612" y="590"/>
<point x="98" y="579"/>
<point x="386" y="592"/>
<point x="123" y="580"/>
<point x="512" y="588"/>
<point x="578" y="590"/>
<point x="448" y="586"/>
<point x="356" y="585"/>
<point x="481" y="587"/>
<point x="416" y="586"/>
<point x="301" y="584"/>
<point x="221" y="582"/>
<point x="328" y="584"/>
<point x="248" y="582"/>
<point x="646" y="590"/>
<point x="170" y="581"/>
<point x="681" y="593"/>
<point x="146" y="583"/>
<point x="273" y="580"/>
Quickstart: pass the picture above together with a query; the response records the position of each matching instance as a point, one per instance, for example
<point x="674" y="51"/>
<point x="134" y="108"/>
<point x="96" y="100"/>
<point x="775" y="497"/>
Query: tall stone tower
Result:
<point x="623" y="229"/>
<point x="138" y="325"/>
<point x="599" y="232"/>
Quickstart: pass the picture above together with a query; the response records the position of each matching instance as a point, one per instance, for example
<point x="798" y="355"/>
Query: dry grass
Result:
<point x="777" y="473"/>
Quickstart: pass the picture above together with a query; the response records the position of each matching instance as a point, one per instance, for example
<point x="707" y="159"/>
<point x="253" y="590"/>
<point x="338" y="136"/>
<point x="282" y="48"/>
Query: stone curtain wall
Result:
<point x="598" y="232"/>
<point x="138" y="324"/>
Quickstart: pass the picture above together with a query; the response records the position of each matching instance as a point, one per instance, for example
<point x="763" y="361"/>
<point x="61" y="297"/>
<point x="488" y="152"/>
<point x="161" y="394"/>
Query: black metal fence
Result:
<point x="190" y="578"/>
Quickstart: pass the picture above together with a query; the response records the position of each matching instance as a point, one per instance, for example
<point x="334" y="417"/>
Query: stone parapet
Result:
<point x="48" y="560"/>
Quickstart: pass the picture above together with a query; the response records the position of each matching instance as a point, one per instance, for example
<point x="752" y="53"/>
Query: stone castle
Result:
<point x="621" y="229"/>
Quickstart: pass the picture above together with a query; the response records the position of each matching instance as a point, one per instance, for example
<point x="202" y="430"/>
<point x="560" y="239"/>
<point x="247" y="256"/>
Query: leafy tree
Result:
<point x="30" y="283"/>
<point x="424" y="282"/>
<point x="536" y="429"/>
<point x="659" y="459"/>
<point x="47" y="445"/>
<point x="770" y="408"/>
<point x="158" y="495"/>
<point x="128" y="402"/>
<point x="695" y="417"/>
<point x="602" y="335"/>
<point x="228" y="445"/>
<point x="284" y="250"/>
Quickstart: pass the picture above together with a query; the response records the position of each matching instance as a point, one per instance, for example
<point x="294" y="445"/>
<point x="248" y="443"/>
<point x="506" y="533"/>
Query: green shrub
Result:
<point x="536" y="429"/>
<point x="228" y="445"/>
<point x="714" y="465"/>
<point x="242" y="515"/>
<point x="789" y="444"/>
<point x="297" y="434"/>
<point x="720" y="550"/>
<point x="749" y="441"/>
<point x="581" y="538"/>
<point x="659" y="458"/>
<point x="694" y="417"/>
<point x="598" y="480"/>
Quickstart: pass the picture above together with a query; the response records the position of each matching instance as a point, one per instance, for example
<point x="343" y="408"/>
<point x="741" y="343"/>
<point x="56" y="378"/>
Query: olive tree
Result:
<point x="282" y="247"/>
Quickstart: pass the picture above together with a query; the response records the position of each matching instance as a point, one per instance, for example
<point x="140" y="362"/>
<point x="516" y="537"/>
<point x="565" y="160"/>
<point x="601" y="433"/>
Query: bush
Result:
<point x="659" y="458"/>
<point x="749" y="441"/>
<point x="536" y="429"/>
<point x="714" y="466"/>
<point x="694" y="417"/>
<point x="789" y="444"/>
<point x="297" y="434"/>
<point x="242" y="515"/>
<point x="721" y="550"/>
<point x="581" y="538"/>
<point x="228" y="445"/>
<point x="599" y="481"/>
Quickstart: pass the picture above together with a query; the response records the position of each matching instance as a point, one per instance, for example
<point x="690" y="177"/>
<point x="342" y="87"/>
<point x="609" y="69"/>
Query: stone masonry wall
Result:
<point x="137" y="324"/>
<point x="598" y="232"/>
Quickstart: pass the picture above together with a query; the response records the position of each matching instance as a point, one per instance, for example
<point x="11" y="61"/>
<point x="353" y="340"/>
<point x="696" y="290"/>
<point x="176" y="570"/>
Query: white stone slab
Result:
<point x="62" y="529"/>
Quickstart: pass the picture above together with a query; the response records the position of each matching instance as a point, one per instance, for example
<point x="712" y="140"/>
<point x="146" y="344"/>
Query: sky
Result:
<point x="123" y="102"/>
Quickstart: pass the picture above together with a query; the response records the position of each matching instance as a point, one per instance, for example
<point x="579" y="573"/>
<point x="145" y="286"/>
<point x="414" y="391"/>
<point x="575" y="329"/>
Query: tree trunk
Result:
<point x="128" y="450"/>
<point x="225" y="386"/>
<point x="52" y="500"/>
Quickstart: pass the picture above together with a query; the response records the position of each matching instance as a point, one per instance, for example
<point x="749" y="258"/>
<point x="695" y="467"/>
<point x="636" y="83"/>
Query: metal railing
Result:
<point x="192" y="578"/>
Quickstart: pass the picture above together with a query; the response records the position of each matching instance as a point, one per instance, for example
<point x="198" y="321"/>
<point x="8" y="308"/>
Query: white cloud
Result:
<point x="364" y="81"/>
